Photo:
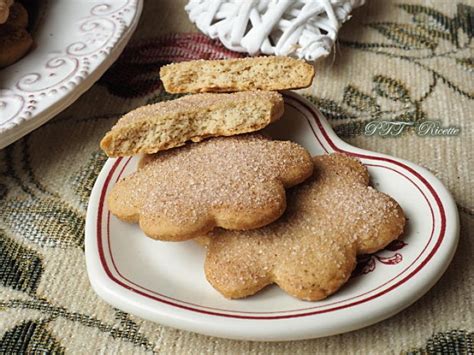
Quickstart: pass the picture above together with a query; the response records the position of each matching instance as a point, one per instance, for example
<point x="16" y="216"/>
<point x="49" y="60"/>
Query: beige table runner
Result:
<point x="405" y="60"/>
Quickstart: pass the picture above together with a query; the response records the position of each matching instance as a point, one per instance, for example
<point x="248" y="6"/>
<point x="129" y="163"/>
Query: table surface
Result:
<point x="399" y="59"/>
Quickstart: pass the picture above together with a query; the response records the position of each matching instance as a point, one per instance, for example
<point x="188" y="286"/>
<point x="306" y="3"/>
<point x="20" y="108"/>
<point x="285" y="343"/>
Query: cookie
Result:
<point x="169" y="124"/>
<point x="311" y="250"/>
<point x="18" y="16"/>
<point x="15" y="42"/>
<point x="5" y="10"/>
<point x="229" y="182"/>
<point x="228" y="75"/>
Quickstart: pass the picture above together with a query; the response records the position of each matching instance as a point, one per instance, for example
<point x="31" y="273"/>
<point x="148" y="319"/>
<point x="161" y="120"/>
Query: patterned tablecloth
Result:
<point x="404" y="59"/>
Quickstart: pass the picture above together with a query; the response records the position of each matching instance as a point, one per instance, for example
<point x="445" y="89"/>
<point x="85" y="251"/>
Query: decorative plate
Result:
<point x="164" y="281"/>
<point x="75" y="42"/>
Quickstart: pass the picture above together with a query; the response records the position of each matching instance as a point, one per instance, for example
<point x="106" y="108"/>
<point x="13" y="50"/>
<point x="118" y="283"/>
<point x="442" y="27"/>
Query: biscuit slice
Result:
<point x="310" y="252"/>
<point x="229" y="182"/>
<point x="169" y="124"/>
<point x="15" y="42"/>
<point x="228" y="75"/>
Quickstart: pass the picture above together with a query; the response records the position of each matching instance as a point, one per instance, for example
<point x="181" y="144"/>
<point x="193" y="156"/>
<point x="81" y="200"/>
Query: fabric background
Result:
<point x="403" y="59"/>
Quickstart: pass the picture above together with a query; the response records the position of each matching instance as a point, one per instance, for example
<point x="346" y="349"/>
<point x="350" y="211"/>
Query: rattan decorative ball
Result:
<point x="304" y="29"/>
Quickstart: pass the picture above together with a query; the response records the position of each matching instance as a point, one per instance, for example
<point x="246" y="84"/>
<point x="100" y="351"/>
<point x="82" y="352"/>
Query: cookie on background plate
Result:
<point x="15" y="42"/>
<point x="18" y="16"/>
<point x="5" y="10"/>
<point x="310" y="252"/>
<point x="229" y="75"/>
<point x="169" y="124"/>
<point x="229" y="182"/>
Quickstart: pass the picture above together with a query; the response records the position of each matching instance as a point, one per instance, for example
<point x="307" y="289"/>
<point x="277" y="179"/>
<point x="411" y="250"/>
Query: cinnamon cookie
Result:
<point x="233" y="183"/>
<point x="169" y="124"/>
<point x="5" y="10"/>
<point x="18" y="16"/>
<point x="311" y="250"/>
<point x="229" y="75"/>
<point x="15" y="42"/>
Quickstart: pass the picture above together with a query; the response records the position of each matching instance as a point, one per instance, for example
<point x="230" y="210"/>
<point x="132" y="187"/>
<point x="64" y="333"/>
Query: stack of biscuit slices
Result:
<point x="15" y="41"/>
<point x="265" y="210"/>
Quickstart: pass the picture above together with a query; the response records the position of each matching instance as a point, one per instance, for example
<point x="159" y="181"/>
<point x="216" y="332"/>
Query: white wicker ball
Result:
<point x="300" y="28"/>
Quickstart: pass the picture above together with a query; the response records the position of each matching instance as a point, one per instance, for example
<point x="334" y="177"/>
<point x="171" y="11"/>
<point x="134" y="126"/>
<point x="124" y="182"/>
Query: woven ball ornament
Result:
<point x="304" y="29"/>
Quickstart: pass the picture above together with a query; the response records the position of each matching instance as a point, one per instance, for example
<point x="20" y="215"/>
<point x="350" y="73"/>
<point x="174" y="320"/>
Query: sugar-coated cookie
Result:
<point x="311" y="250"/>
<point x="229" y="75"/>
<point x="229" y="182"/>
<point x="169" y="124"/>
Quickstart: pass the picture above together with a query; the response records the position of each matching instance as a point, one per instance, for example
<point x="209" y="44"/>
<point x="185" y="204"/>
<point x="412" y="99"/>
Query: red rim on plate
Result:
<point x="320" y="131"/>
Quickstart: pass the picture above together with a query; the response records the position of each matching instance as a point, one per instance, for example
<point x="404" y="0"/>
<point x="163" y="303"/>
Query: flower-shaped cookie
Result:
<point x="230" y="182"/>
<point x="311" y="250"/>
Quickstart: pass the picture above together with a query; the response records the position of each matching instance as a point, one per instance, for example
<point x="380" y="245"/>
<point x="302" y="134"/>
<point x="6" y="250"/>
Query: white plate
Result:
<point x="74" y="45"/>
<point x="164" y="282"/>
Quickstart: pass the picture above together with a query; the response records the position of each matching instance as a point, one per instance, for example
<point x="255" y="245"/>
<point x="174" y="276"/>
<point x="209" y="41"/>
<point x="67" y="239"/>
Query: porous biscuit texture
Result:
<point x="169" y="124"/>
<point x="229" y="182"/>
<point x="311" y="250"/>
<point x="229" y="75"/>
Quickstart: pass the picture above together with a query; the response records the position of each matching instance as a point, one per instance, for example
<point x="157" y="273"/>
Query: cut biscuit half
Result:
<point x="229" y="75"/>
<point x="169" y="124"/>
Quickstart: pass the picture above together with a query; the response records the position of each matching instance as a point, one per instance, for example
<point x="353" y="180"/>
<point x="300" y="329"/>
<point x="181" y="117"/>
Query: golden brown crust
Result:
<point x="170" y="124"/>
<point x="311" y="250"/>
<point x="230" y="75"/>
<point x="234" y="183"/>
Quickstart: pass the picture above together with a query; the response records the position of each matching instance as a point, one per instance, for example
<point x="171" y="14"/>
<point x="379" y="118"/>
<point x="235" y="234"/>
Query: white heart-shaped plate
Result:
<point x="165" y="282"/>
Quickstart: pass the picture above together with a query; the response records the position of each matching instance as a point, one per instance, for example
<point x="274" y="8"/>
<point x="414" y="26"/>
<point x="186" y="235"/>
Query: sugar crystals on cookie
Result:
<point x="229" y="182"/>
<point x="311" y="250"/>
